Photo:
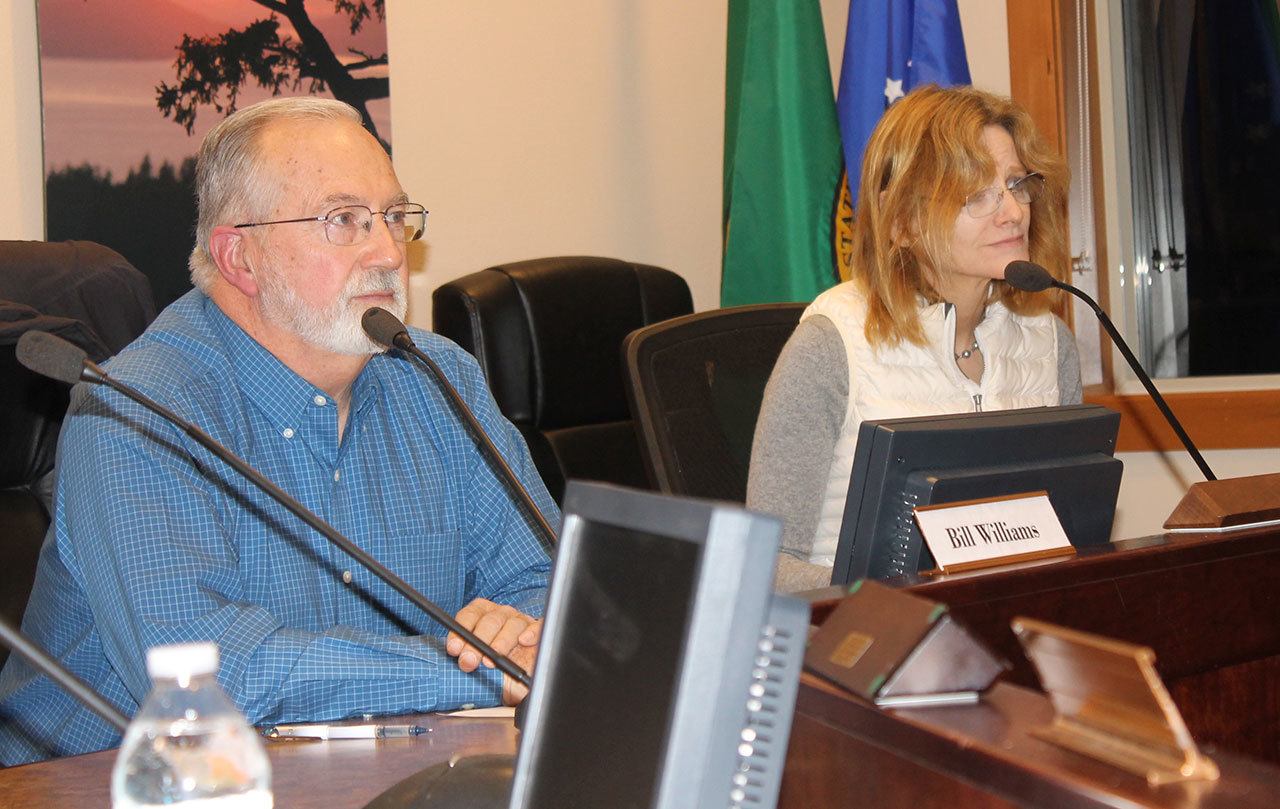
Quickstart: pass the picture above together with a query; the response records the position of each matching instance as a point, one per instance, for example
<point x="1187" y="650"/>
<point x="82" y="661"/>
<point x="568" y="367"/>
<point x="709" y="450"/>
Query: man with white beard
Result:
<point x="302" y="228"/>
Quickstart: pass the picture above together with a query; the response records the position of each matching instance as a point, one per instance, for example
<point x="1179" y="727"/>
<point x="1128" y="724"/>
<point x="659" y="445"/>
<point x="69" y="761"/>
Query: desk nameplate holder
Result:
<point x="1111" y="704"/>
<point x="991" y="532"/>
<point x="900" y="650"/>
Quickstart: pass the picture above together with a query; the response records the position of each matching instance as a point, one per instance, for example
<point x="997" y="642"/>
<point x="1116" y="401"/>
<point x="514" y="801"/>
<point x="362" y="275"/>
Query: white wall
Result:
<point x="566" y="126"/>
<point x="21" y="152"/>
<point x="528" y="129"/>
<point x="561" y="127"/>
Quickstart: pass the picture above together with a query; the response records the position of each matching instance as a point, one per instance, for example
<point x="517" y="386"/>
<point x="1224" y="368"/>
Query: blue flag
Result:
<point x="891" y="47"/>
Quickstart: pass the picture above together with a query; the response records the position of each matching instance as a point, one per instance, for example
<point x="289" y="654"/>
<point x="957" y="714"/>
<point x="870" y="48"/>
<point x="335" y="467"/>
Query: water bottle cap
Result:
<point x="182" y="660"/>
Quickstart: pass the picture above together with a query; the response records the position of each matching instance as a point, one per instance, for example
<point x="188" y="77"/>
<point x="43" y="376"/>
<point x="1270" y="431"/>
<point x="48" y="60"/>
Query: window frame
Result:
<point x="1217" y="412"/>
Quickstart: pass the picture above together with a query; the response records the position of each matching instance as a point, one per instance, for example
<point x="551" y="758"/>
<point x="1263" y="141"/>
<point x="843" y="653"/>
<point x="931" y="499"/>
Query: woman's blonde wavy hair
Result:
<point x="924" y="159"/>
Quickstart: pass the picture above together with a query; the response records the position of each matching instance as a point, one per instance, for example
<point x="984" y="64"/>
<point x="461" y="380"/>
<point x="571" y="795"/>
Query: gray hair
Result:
<point x="232" y="184"/>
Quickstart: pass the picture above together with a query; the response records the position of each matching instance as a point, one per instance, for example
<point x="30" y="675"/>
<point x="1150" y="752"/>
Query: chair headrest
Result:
<point x="80" y="280"/>
<point x="548" y="332"/>
<point x="31" y="406"/>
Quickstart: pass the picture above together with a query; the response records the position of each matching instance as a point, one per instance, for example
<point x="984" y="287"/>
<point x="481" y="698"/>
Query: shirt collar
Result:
<point x="942" y="310"/>
<point x="271" y="386"/>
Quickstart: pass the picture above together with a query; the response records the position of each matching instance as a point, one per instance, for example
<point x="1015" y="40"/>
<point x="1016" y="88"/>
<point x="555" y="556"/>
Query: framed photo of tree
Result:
<point x="130" y="87"/>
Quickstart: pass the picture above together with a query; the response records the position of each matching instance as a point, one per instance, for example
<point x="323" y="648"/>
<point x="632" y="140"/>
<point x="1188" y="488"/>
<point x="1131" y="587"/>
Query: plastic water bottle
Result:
<point x="188" y="745"/>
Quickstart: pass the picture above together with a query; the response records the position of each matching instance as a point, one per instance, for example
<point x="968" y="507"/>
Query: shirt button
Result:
<point x="336" y="474"/>
<point x="346" y="577"/>
<point x="287" y="432"/>
<point x="319" y="400"/>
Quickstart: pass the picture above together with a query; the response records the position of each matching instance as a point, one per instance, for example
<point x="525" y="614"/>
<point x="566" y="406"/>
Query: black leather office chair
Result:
<point x="82" y="281"/>
<point x="548" y="333"/>
<point x="84" y="293"/>
<point x="695" y="385"/>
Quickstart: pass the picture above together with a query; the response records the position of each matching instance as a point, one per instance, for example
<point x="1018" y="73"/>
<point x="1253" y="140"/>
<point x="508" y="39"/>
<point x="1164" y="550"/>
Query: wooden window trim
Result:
<point x="1213" y="419"/>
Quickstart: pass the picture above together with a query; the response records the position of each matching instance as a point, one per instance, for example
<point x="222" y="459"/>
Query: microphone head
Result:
<point x="1027" y="276"/>
<point x="384" y="328"/>
<point x="51" y="356"/>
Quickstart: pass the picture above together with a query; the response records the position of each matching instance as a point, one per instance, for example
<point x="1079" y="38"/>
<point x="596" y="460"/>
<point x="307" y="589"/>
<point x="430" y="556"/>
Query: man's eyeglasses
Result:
<point x="351" y="224"/>
<point x="1023" y="189"/>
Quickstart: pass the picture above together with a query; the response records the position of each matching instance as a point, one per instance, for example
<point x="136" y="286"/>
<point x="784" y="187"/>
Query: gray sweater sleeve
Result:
<point x="1070" y="390"/>
<point x="800" y="420"/>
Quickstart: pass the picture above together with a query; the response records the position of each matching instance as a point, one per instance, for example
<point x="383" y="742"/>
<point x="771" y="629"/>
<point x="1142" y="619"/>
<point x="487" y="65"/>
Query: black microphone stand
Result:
<point x="1211" y="504"/>
<point x="1119" y="343"/>
<point x="46" y="665"/>
<point x="548" y="533"/>
<point x="386" y="329"/>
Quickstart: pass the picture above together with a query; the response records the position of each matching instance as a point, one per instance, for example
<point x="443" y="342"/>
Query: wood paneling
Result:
<point x="1036" y="67"/>
<point x="1213" y="419"/>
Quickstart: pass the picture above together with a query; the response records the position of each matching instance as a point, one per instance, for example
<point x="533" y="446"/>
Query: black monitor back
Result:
<point x="661" y="628"/>
<point x="900" y="464"/>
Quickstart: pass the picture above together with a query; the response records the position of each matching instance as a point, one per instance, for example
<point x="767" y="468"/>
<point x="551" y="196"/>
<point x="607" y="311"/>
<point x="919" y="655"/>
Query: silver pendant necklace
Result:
<point x="968" y="352"/>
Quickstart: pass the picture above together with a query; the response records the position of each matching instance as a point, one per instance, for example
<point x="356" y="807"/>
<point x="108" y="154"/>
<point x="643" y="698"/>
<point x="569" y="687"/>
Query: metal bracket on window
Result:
<point x="1174" y="261"/>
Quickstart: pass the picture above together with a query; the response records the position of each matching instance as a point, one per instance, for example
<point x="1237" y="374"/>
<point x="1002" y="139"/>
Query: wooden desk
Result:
<point x="344" y="774"/>
<point x="845" y="752"/>
<point x="1208" y="606"/>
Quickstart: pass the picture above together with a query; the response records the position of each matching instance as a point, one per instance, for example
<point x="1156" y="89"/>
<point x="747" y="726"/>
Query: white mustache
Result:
<point x="380" y="281"/>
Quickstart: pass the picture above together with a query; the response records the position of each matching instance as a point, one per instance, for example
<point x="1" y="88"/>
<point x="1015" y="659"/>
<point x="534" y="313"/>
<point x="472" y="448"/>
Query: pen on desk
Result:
<point x="345" y="731"/>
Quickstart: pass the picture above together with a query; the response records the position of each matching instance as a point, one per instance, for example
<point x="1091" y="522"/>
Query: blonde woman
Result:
<point x="956" y="183"/>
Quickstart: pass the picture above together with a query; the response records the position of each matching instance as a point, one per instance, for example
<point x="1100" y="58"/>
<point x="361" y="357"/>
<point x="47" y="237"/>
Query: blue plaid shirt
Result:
<point x="155" y="541"/>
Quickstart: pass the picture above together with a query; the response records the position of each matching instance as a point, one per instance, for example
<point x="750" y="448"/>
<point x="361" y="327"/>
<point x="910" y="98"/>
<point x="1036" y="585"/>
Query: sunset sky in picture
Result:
<point x="151" y="29"/>
<point x="101" y="61"/>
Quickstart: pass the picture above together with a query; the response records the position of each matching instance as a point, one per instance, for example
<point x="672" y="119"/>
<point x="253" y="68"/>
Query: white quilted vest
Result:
<point x="1020" y="356"/>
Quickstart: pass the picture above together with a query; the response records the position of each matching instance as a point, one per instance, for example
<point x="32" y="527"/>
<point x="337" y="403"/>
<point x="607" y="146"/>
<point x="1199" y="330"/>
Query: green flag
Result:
<point x="781" y="154"/>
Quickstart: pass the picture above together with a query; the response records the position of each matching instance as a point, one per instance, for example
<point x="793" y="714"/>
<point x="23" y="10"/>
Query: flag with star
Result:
<point x="891" y="47"/>
<point x="781" y="154"/>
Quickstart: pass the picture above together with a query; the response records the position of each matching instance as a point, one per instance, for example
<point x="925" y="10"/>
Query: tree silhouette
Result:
<point x="146" y="217"/>
<point x="211" y="70"/>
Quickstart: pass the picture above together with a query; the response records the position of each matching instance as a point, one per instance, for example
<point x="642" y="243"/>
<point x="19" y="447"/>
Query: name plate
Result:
<point x="999" y="530"/>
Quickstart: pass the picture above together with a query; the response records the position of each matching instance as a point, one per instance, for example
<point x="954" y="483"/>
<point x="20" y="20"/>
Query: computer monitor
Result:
<point x="900" y="464"/>
<point x="667" y="670"/>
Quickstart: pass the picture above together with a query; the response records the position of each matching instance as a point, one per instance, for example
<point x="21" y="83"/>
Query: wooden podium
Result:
<point x="1206" y="604"/>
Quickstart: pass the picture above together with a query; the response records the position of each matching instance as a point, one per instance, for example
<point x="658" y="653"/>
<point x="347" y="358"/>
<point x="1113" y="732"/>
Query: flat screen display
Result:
<point x="603" y="727"/>
<point x="901" y="464"/>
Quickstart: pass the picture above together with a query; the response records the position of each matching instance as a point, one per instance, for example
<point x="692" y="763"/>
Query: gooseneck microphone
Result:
<point x="1031" y="277"/>
<point x="56" y="358"/>
<point x="386" y="329"/>
<point x="43" y="662"/>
